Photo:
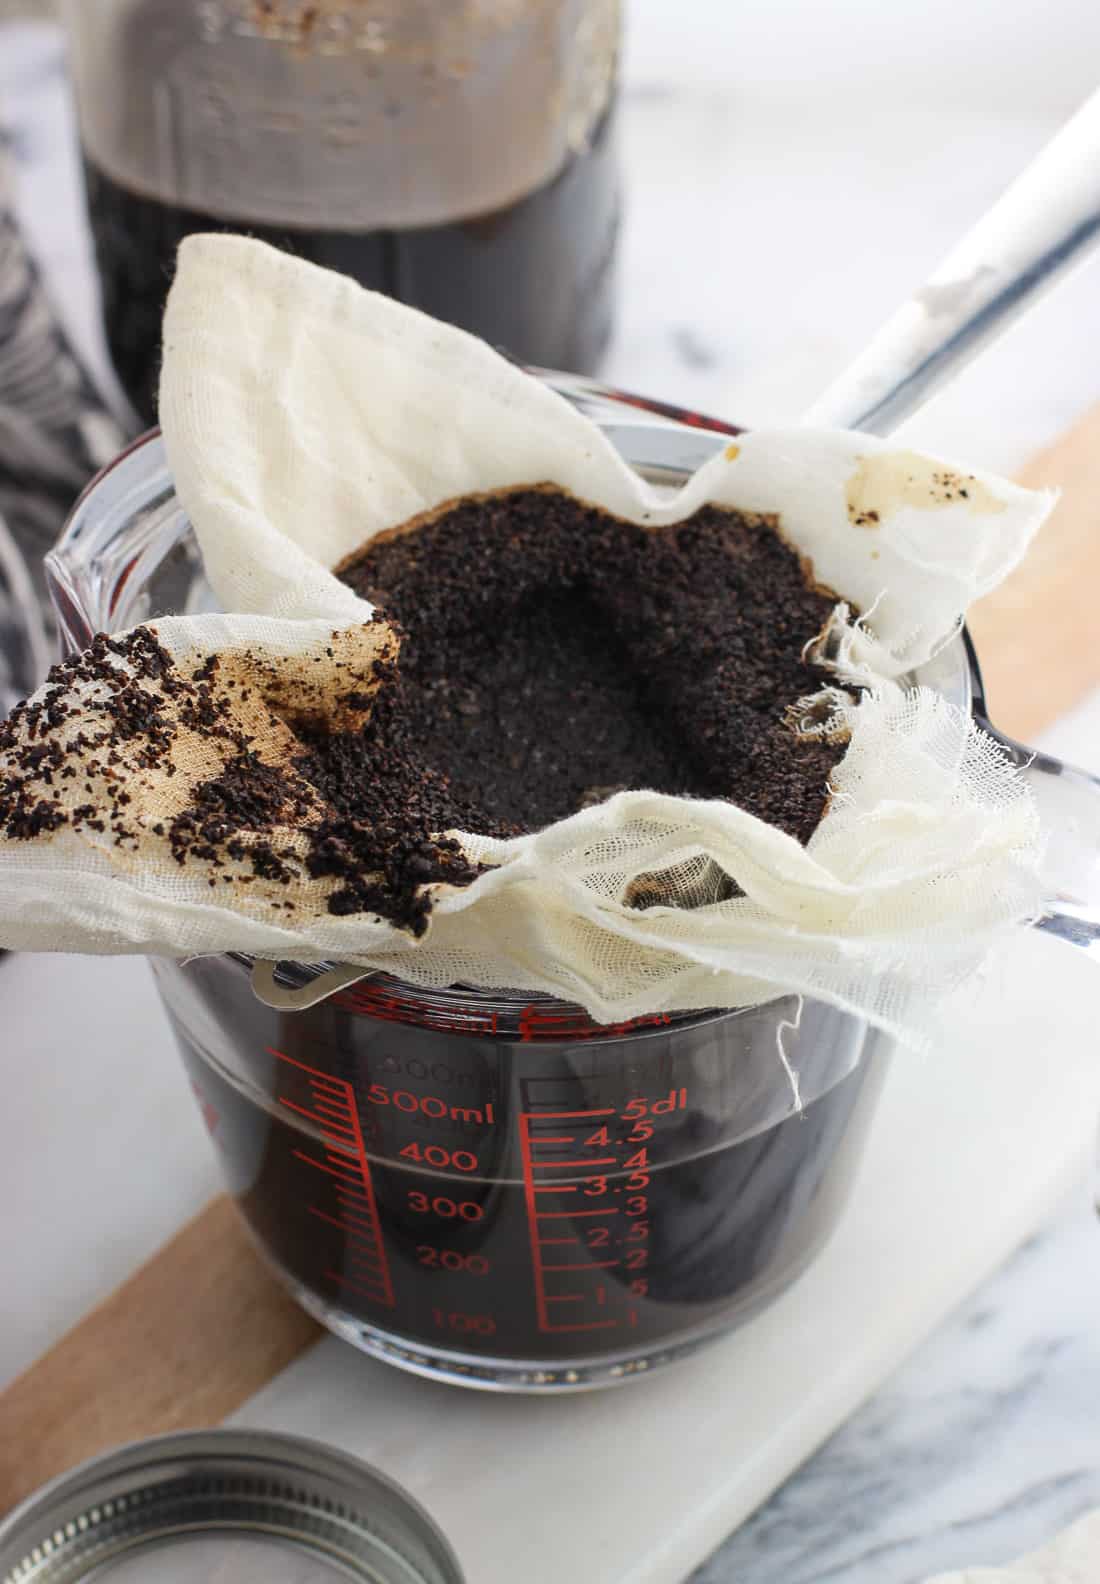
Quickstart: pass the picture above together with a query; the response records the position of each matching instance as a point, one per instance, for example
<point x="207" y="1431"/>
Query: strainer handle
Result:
<point x="1047" y="220"/>
<point x="1069" y="806"/>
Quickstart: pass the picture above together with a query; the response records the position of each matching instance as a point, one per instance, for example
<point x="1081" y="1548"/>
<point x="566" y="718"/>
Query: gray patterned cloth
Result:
<point x="55" y="432"/>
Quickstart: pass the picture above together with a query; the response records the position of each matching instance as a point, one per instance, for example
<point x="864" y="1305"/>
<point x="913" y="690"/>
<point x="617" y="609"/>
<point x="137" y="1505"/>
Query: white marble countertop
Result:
<point x="788" y="183"/>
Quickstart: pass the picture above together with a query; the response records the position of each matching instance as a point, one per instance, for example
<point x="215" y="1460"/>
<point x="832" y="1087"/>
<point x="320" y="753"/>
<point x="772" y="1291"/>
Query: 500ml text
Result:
<point x="431" y="1106"/>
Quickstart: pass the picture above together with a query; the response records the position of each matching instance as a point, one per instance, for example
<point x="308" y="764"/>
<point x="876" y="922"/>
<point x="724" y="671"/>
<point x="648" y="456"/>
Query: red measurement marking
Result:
<point x="363" y="1289"/>
<point x="336" y="1161"/>
<point x="584" y="1265"/>
<point x="335" y="1151"/>
<point x="353" y="1232"/>
<point x="311" y="1160"/>
<point x="532" y="1168"/>
<point x="366" y="1262"/>
<point x="337" y="1120"/>
<point x="329" y="1127"/>
<point x="333" y="1171"/>
<point x="344" y="1143"/>
<point x="572" y="1215"/>
<point x="590" y="1325"/>
<point x="600" y="1160"/>
<point x="532" y="1218"/>
<point x="329" y="1090"/>
<point x="537" y="1025"/>
<point x="566" y="1139"/>
<point x="554" y="1116"/>
<point x="392" y="1009"/>
<point x="317" y="1079"/>
<point x="355" y="1218"/>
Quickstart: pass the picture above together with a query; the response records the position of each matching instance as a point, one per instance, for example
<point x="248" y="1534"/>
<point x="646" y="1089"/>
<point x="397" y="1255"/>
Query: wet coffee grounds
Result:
<point x="550" y="655"/>
<point x="553" y="654"/>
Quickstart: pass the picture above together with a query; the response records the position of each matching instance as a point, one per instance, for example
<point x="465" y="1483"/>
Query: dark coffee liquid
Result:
<point x="554" y="1203"/>
<point x="534" y="278"/>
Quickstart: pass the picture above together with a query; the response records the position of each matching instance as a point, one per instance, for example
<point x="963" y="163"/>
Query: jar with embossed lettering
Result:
<point x="458" y="157"/>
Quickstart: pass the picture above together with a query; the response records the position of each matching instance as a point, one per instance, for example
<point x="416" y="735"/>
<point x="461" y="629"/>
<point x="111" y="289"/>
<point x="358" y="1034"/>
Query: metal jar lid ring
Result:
<point x="251" y="1506"/>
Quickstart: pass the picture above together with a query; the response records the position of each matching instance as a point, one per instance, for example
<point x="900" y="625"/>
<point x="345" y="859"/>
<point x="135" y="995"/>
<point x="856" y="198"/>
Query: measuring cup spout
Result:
<point x="1069" y="807"/>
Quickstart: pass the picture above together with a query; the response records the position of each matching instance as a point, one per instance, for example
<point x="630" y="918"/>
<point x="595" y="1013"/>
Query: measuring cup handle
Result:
<point x="1069" y="806"/>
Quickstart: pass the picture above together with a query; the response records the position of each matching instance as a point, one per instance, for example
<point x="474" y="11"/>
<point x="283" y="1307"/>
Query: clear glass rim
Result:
<point x="526" y="1016"/>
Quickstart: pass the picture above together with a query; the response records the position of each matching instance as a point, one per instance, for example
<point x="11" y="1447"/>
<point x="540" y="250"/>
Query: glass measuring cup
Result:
<point x="493" y="1189"/>
<point x="489" y="1188"/>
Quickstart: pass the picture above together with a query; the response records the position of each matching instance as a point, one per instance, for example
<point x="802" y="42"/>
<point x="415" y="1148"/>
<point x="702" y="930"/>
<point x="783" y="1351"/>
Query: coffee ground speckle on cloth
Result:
<point x="550" y="655"/>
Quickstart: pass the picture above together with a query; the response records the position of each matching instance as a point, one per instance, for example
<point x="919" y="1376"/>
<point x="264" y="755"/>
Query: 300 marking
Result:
<point x="446" y="1209"/>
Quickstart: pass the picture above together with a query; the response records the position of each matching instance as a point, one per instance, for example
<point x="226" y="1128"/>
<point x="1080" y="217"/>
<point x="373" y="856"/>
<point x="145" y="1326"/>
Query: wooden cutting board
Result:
<point x="1037" y="635"/>
<point x="170" y="1339"/>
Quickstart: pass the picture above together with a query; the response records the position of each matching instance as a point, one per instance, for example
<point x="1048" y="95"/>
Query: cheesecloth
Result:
<point x="302" y="415"/>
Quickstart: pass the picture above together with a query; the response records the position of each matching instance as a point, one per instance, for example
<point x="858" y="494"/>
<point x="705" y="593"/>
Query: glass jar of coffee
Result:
<point x="458" y="157"/>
